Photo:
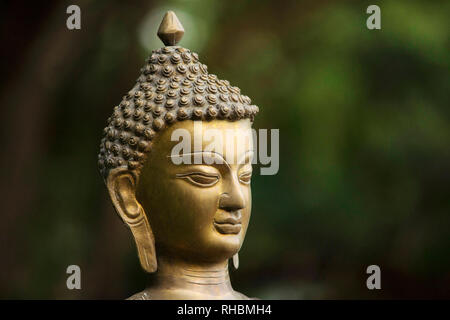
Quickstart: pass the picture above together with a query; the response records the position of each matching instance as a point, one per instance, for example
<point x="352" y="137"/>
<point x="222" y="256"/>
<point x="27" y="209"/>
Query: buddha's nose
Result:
<point x="233" y="198"/>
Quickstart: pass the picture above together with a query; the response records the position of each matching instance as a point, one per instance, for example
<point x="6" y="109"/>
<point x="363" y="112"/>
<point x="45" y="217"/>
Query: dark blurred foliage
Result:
<point x="364" y="142"/>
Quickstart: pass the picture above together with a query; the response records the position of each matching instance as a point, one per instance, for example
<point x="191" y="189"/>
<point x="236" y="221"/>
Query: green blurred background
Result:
<point x="364" y="143"/>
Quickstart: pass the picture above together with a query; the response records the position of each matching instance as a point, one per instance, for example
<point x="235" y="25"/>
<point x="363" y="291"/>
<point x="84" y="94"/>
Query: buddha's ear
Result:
<point x="121" y="184"/>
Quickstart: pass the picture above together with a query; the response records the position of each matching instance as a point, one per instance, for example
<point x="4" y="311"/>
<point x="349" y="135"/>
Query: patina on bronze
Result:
<point x="187" y="220"/>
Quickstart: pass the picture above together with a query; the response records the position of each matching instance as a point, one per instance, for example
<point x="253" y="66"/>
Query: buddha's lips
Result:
<point x="228" y="225"/>
<point x="228" y="228"/>
<point x="228" y="220"/>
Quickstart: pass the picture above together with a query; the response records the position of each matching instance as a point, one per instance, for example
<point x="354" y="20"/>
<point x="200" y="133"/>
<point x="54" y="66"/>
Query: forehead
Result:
<point x="229" y="138"/>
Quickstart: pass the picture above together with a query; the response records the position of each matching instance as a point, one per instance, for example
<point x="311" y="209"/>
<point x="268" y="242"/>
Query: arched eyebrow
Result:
<point x="207" y="153"/>
<point x="248" y="153"/>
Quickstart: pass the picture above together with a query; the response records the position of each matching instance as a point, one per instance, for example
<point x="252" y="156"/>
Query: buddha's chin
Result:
<point x="228" y="244"/>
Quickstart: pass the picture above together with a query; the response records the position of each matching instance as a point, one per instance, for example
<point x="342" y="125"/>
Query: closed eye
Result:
<point x="199" y="179"/>
<point x="245" y="177"/>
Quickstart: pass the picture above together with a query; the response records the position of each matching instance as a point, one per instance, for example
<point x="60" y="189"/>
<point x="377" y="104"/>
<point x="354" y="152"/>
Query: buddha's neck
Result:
<point x="205" y="278"/>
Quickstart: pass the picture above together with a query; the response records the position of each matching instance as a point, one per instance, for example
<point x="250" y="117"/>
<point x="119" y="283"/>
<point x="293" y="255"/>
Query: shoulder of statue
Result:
<point x="140" y="296"/>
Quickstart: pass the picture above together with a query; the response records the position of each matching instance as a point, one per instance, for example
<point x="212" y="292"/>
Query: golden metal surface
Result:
<point x="187" y="220"/>
<point x="170" y="30"/>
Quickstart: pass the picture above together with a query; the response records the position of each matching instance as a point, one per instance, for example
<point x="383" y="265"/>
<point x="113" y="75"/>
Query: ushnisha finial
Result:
<point x="170" y="30"/>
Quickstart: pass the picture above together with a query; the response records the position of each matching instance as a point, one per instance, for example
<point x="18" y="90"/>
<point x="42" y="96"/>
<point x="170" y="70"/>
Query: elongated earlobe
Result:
<point x="121" y="184"/>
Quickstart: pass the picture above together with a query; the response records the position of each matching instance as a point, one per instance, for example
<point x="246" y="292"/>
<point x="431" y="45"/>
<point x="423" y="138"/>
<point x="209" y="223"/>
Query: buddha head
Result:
<point x="193" y="211"/>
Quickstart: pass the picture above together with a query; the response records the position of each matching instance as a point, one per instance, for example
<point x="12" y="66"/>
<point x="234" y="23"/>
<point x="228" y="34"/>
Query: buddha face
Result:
<point x="199" y="211"/>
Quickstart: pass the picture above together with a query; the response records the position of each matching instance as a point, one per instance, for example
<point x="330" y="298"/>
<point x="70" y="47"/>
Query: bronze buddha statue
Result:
<point x="187" y="219"/>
